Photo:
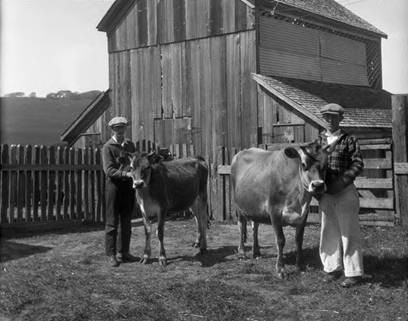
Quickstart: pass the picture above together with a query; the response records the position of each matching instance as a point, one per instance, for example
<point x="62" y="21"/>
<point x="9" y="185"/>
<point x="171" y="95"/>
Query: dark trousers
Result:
<point x="120" y="198"/>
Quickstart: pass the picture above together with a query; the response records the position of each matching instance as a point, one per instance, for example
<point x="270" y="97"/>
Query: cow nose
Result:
<point x="138" y="184"/>
<point x="318" y="185"/>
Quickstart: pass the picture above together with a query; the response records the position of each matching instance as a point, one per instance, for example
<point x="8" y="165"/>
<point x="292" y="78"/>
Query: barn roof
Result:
<point x="364" y="107"/>
<point x="86" y="118"/>
<point x="329" y="9"/>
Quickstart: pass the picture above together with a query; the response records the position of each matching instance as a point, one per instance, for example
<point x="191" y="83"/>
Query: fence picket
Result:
<point x="72" y="185"/>
<point x="78" y="161"/>
<point x="99" y="190"/>
<point x="36" y="184"/>
<point x="92" y="185"/>
<point x="28" y="188"/>
<point x="85" y="177"/>
<point x="51" y="196"/>
<point x="4" y="186"/>
<point x="12" y="184"/>
<point x="20" y="197"/>
<point x="59" y="183"/>
<point x="66" y="189"/>
<point x="43" y="184"/>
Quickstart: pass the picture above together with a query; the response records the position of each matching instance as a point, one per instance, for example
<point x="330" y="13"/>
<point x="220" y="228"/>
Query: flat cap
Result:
<point x="118" y="121"/>
<point x="332" y="109"/>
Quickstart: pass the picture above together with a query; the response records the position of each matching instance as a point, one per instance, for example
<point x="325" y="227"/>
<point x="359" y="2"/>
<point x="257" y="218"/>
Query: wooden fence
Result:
<point x="375" y="184"/>
<point x="44" y="184"/>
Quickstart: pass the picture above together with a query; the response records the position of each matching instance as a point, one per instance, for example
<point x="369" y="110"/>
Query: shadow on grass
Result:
<point x="209" y="258"/>
<point x="310" y="257"/>
<point x="390" y="271"/>
<point x="13" y="251"/>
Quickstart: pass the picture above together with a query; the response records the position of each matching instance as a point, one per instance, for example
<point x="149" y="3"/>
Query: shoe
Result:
<point x="113" y="261"/>
<point x="126" y="257"/>
<point x="331" y="276"/>
<point x="351" y="281"/>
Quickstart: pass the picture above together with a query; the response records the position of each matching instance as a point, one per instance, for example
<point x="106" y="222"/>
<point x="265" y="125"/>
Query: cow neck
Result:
<point x="304" y="186"/>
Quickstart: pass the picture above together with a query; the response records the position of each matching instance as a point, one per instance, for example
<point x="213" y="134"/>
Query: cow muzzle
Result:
<point x="139" y="183"/>
<point x="317" y="187"/>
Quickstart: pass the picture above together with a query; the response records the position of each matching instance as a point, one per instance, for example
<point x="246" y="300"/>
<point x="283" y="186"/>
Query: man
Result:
<point x="340" y="241"/>
<point x="120" y="195"/>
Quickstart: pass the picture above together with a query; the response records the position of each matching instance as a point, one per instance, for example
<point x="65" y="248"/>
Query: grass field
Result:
<point x="38" y="121"/>
<point x="66" y="277"/>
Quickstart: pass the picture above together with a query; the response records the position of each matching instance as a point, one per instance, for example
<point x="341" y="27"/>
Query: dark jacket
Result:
<point x="115" y="160"/>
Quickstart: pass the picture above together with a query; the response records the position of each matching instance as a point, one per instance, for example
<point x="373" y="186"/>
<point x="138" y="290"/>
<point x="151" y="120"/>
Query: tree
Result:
<point x="15" y="94"/>
<point x="33" y="95"/>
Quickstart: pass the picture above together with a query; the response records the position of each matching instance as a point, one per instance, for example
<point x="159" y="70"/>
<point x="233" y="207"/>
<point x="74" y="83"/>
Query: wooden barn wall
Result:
<point x="280" y="123"/>
<point x="197" y="91"/>
<point x="289" y="50"/>
<point x="152" y="22"/>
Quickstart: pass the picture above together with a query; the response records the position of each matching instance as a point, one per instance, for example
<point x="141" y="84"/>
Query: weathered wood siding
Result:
<point x="152" y="22"/>
<point x="293" y="51"/>
<point x="279" y="123"/>
<point x="197" y="91"/>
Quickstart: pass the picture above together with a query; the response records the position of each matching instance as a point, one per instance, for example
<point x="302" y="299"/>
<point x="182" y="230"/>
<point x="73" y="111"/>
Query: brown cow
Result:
<point x="276" y="187"/>
<point x="175" y="185"/>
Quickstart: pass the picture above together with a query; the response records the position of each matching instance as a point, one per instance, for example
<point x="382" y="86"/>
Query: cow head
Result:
<point x="313" y="166"/>
<point x="141" y="168"/>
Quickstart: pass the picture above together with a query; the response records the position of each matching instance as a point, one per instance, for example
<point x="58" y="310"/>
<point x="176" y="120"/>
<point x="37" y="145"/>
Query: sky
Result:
<point x="51" y="45"/>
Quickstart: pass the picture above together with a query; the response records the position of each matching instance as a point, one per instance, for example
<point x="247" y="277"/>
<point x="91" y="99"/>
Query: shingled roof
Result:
<point x="364" y="107"/>
<point x="332" y="10"/>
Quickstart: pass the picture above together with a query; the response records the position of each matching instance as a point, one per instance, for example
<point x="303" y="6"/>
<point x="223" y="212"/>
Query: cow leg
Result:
<point x="280" y="242"/>
<point x="160" y="235"/>
<point x="255" y="245"/>
<point x="148" y="235"/>
<point x="300" y="266"/>
<point x="201" y="217"/>
<point x="242" y="223"/>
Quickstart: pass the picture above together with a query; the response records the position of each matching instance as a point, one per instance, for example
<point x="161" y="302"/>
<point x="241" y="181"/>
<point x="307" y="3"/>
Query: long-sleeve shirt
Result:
<point x="115" y="158"/>
<point x="346" y="159"/>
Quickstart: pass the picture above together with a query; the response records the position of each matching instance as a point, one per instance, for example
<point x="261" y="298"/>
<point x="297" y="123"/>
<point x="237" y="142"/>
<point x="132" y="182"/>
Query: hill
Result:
<point x="38" y="121"/>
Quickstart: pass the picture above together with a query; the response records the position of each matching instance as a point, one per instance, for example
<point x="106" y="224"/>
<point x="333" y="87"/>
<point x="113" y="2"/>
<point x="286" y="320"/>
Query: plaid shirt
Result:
<point x="346" y="159"/>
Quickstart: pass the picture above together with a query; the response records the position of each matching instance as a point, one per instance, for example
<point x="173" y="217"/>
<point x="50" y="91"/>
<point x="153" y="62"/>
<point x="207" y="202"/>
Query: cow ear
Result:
<point x="291" y="152"/>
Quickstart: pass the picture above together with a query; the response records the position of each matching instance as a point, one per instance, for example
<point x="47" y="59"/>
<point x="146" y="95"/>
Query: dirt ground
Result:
<point x="57" y="276"/>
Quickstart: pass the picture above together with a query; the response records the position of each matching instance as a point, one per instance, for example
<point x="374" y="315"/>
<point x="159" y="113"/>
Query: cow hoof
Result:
<point x="196" y="245"/>
<point x="144" y="260"/>
<point x="162" y="261"/>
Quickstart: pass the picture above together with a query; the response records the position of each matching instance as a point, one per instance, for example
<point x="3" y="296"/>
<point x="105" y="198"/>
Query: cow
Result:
<point x="276" y="187"/>
<point x="172" y="185"/>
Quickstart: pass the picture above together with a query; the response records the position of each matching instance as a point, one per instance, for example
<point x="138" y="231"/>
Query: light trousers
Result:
<point x="340" y="240"/>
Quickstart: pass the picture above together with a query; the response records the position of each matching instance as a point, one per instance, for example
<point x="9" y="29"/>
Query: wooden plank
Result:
<point x="375" y="147"/>
<point x="72" y="185"/>
<point x="202" y="18"/>
<point x="400" y="168"/>
<point x="59" y="184"/>
<point x="12" y="185"/>
<point x="51" y="184"/>
<point x="99" y="189"/>
<point x="36" y="183"/>
<point x="79" y="186"/>
<point x="215" y="17"/>
<point x="20" y="184"/>
<point x="142" y="25"/>
<point x="240" y="15"/>
<point x="66" y="190"/>
<point x="179" y="16"/>
<point x="131" y="28"/>
<point x="377" y="163"/>
<point x="151" y="22"/>
<point x="28" y="187"/>
<point x="5" y="177"/>
<point x="85" y="190"/>
<point x="374" y="203"/>
<point x="92" y="189"/>
<point x="374" y="183"/>
<point x="374" y="141"/>
<point x="43" y="184"/>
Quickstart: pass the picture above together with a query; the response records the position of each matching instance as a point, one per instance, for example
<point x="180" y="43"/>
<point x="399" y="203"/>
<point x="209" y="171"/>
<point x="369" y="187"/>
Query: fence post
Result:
<point x="400" y="138"/>
<point x="5" y="176"/>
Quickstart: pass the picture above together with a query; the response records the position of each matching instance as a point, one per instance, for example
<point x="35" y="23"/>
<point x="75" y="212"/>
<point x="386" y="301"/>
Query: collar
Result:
<point x="113" y="141"/>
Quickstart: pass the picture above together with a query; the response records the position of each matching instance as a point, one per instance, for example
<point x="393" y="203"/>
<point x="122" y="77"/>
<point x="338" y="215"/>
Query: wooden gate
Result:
<point x="375" y="185"/>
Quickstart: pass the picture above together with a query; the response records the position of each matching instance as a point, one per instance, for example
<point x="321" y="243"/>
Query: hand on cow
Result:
<point x="338" y="185"/>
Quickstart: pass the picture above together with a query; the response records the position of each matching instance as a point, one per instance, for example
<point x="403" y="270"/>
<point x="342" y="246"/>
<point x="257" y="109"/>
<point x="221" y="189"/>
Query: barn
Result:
<point x="237" y="73"/>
